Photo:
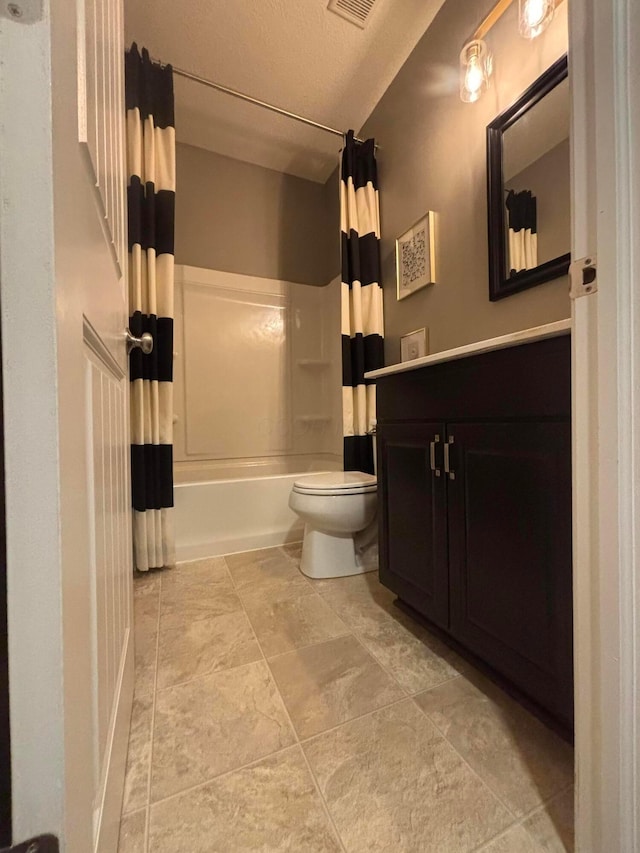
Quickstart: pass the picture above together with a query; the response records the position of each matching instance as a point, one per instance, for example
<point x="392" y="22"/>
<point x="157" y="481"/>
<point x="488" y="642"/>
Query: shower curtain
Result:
<point x="523" y="237"/>
<point x="151" y="203"/>
<point x="362" y="323"/>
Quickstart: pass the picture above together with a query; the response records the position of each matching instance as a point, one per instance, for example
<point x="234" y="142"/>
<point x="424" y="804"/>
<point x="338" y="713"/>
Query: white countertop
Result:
<point x="526" y="336"/>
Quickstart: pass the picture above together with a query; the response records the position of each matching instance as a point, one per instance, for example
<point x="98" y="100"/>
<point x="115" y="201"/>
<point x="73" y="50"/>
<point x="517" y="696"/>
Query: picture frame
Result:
<point x="415" y="257"/>
<point x="414" y="344"/>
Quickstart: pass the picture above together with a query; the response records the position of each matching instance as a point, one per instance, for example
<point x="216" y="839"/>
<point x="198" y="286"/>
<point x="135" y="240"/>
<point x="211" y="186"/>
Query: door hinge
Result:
<point x="583" y="275"/>
<point x="21" y="11"/>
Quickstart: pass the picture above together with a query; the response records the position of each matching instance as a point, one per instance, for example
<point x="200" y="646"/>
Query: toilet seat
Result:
<point x="336" y="483"/>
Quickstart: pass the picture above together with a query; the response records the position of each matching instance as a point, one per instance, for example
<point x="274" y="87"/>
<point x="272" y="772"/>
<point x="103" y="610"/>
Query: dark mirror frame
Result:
<point x="499" y="284"/>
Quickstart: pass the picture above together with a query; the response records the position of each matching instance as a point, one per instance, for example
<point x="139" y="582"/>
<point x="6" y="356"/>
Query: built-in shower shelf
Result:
<point x="314" y="419"/>
<point x="313" y="363"/>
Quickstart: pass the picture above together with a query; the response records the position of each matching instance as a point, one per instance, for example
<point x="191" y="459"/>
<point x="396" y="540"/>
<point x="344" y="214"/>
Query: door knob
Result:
<point x="145" y="342"/>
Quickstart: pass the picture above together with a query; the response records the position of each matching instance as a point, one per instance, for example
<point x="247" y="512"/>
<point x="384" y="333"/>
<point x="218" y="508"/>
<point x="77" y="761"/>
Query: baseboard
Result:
<point x="108" y="812"/>
<point x="244" y="543"/>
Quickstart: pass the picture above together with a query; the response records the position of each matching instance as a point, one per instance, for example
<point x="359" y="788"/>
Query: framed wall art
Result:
<point x="415" y="257"/>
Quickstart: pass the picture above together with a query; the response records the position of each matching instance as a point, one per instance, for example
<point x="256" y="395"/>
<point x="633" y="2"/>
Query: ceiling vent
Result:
<point x="356" y="11"/>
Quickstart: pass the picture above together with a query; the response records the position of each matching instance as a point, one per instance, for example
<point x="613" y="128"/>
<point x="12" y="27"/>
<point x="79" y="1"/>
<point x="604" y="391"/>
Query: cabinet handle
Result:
<point x="447" y="465"/>
<point x="432" y="455"/>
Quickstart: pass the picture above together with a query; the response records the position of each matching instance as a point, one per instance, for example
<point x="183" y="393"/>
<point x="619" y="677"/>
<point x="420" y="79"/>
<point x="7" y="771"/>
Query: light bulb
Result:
<point x="474" y="77"/>
<point x="534" y="17"/>
<point x="534" y="12"/>
<point x="475" y="70"/>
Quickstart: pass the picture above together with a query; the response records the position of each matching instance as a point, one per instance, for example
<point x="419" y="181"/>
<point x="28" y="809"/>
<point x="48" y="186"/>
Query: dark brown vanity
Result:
<point x="474" y="472"/>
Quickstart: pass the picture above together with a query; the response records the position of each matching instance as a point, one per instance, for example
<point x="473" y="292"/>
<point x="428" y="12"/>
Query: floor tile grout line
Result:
<point x="210" y="674"/>
<point x="297" y="743"/>
<point x="211" y="779"/>
<point x="323" y="802"/>
<point x="559" y="793"/>
<point x="207" y="674"/>
<point x="409" y="693"/>
<point x="387" y="617"/>
<point x="475" y="772"/>
<point x="346" y="633"/>
<point x="240" y="590"/>
<point x="204" y="618"/>
<point x="521" y="821"/>
<point x="356" y="634"/>
<point x="316" y="784"/>
<point x="435" y="686"/>
<point x="243" y="611"/>
<point x="275" y="752"/>
<point x="366" y="714"/>
<point x="518" y="818"/>
<point x="502" y="834"/>
<point x="350" y="632"/>
<point x="380" y="664"/>
<point x="267" y="660"/>
<point x="306" y="594"/>
<point x="266" y="663"/>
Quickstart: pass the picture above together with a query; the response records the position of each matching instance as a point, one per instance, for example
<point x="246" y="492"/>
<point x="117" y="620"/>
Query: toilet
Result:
<point x="340" y="532"/>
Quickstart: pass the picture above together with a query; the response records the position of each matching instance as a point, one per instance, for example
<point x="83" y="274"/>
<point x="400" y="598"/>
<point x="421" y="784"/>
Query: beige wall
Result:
<point x="241" y="218"/>
<point x="432" y="157"/>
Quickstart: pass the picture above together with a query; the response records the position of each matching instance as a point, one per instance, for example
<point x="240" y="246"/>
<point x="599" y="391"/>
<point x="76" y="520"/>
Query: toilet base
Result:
<point x="332" y="555"/>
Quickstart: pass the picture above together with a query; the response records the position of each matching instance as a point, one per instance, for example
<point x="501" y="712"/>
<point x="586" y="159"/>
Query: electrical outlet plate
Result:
<point x="22" y="11"/>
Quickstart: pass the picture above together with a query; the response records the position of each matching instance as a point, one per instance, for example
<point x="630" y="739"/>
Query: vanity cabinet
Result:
<point x="474" y="469"/>
<point x="414" y="516"/>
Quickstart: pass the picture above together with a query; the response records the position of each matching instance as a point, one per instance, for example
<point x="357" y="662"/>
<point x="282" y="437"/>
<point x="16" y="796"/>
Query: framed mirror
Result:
<point x="528" y="186"/>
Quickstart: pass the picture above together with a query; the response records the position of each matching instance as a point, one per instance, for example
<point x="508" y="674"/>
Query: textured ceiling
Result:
<point x="292" y="53"/>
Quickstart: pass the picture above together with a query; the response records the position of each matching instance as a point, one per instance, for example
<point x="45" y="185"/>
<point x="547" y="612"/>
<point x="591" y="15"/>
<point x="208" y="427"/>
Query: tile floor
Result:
<point x="274" y="713"/>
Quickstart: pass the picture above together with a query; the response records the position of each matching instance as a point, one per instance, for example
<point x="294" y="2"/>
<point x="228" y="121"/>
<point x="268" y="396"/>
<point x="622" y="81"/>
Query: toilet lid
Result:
<point x="336" y="482"/>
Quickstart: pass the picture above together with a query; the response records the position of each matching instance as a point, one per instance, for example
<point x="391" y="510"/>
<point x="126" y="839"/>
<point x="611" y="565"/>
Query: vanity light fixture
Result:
<point x="476" y="60"/>
<point x="534" y="16"/>
<point x="476" y="65"/>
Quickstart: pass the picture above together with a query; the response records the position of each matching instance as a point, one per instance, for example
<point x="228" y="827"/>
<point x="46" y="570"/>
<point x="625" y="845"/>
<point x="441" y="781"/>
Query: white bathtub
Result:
<point x="223" y="516"/>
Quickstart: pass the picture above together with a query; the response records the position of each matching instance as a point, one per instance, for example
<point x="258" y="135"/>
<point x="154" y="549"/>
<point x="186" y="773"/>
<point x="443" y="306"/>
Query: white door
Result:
<point x="605" y="57"/>
<point x="63" y="257"/>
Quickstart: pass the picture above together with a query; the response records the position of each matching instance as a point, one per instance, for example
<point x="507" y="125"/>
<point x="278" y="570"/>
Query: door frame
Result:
<point x="605" y="55"/>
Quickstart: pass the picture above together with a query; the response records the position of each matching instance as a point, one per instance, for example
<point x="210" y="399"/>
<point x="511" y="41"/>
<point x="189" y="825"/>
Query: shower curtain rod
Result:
<point x="241" y="95"/>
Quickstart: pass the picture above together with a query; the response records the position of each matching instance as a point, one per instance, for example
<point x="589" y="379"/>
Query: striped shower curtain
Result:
<point x="151" y="205"/>
<point x="362" y="324"/>
<point x="522" y="217"/>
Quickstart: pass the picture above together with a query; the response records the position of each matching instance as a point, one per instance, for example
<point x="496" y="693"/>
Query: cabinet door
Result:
<point x="509" y="512"/>
<point x="413" y="519"/>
